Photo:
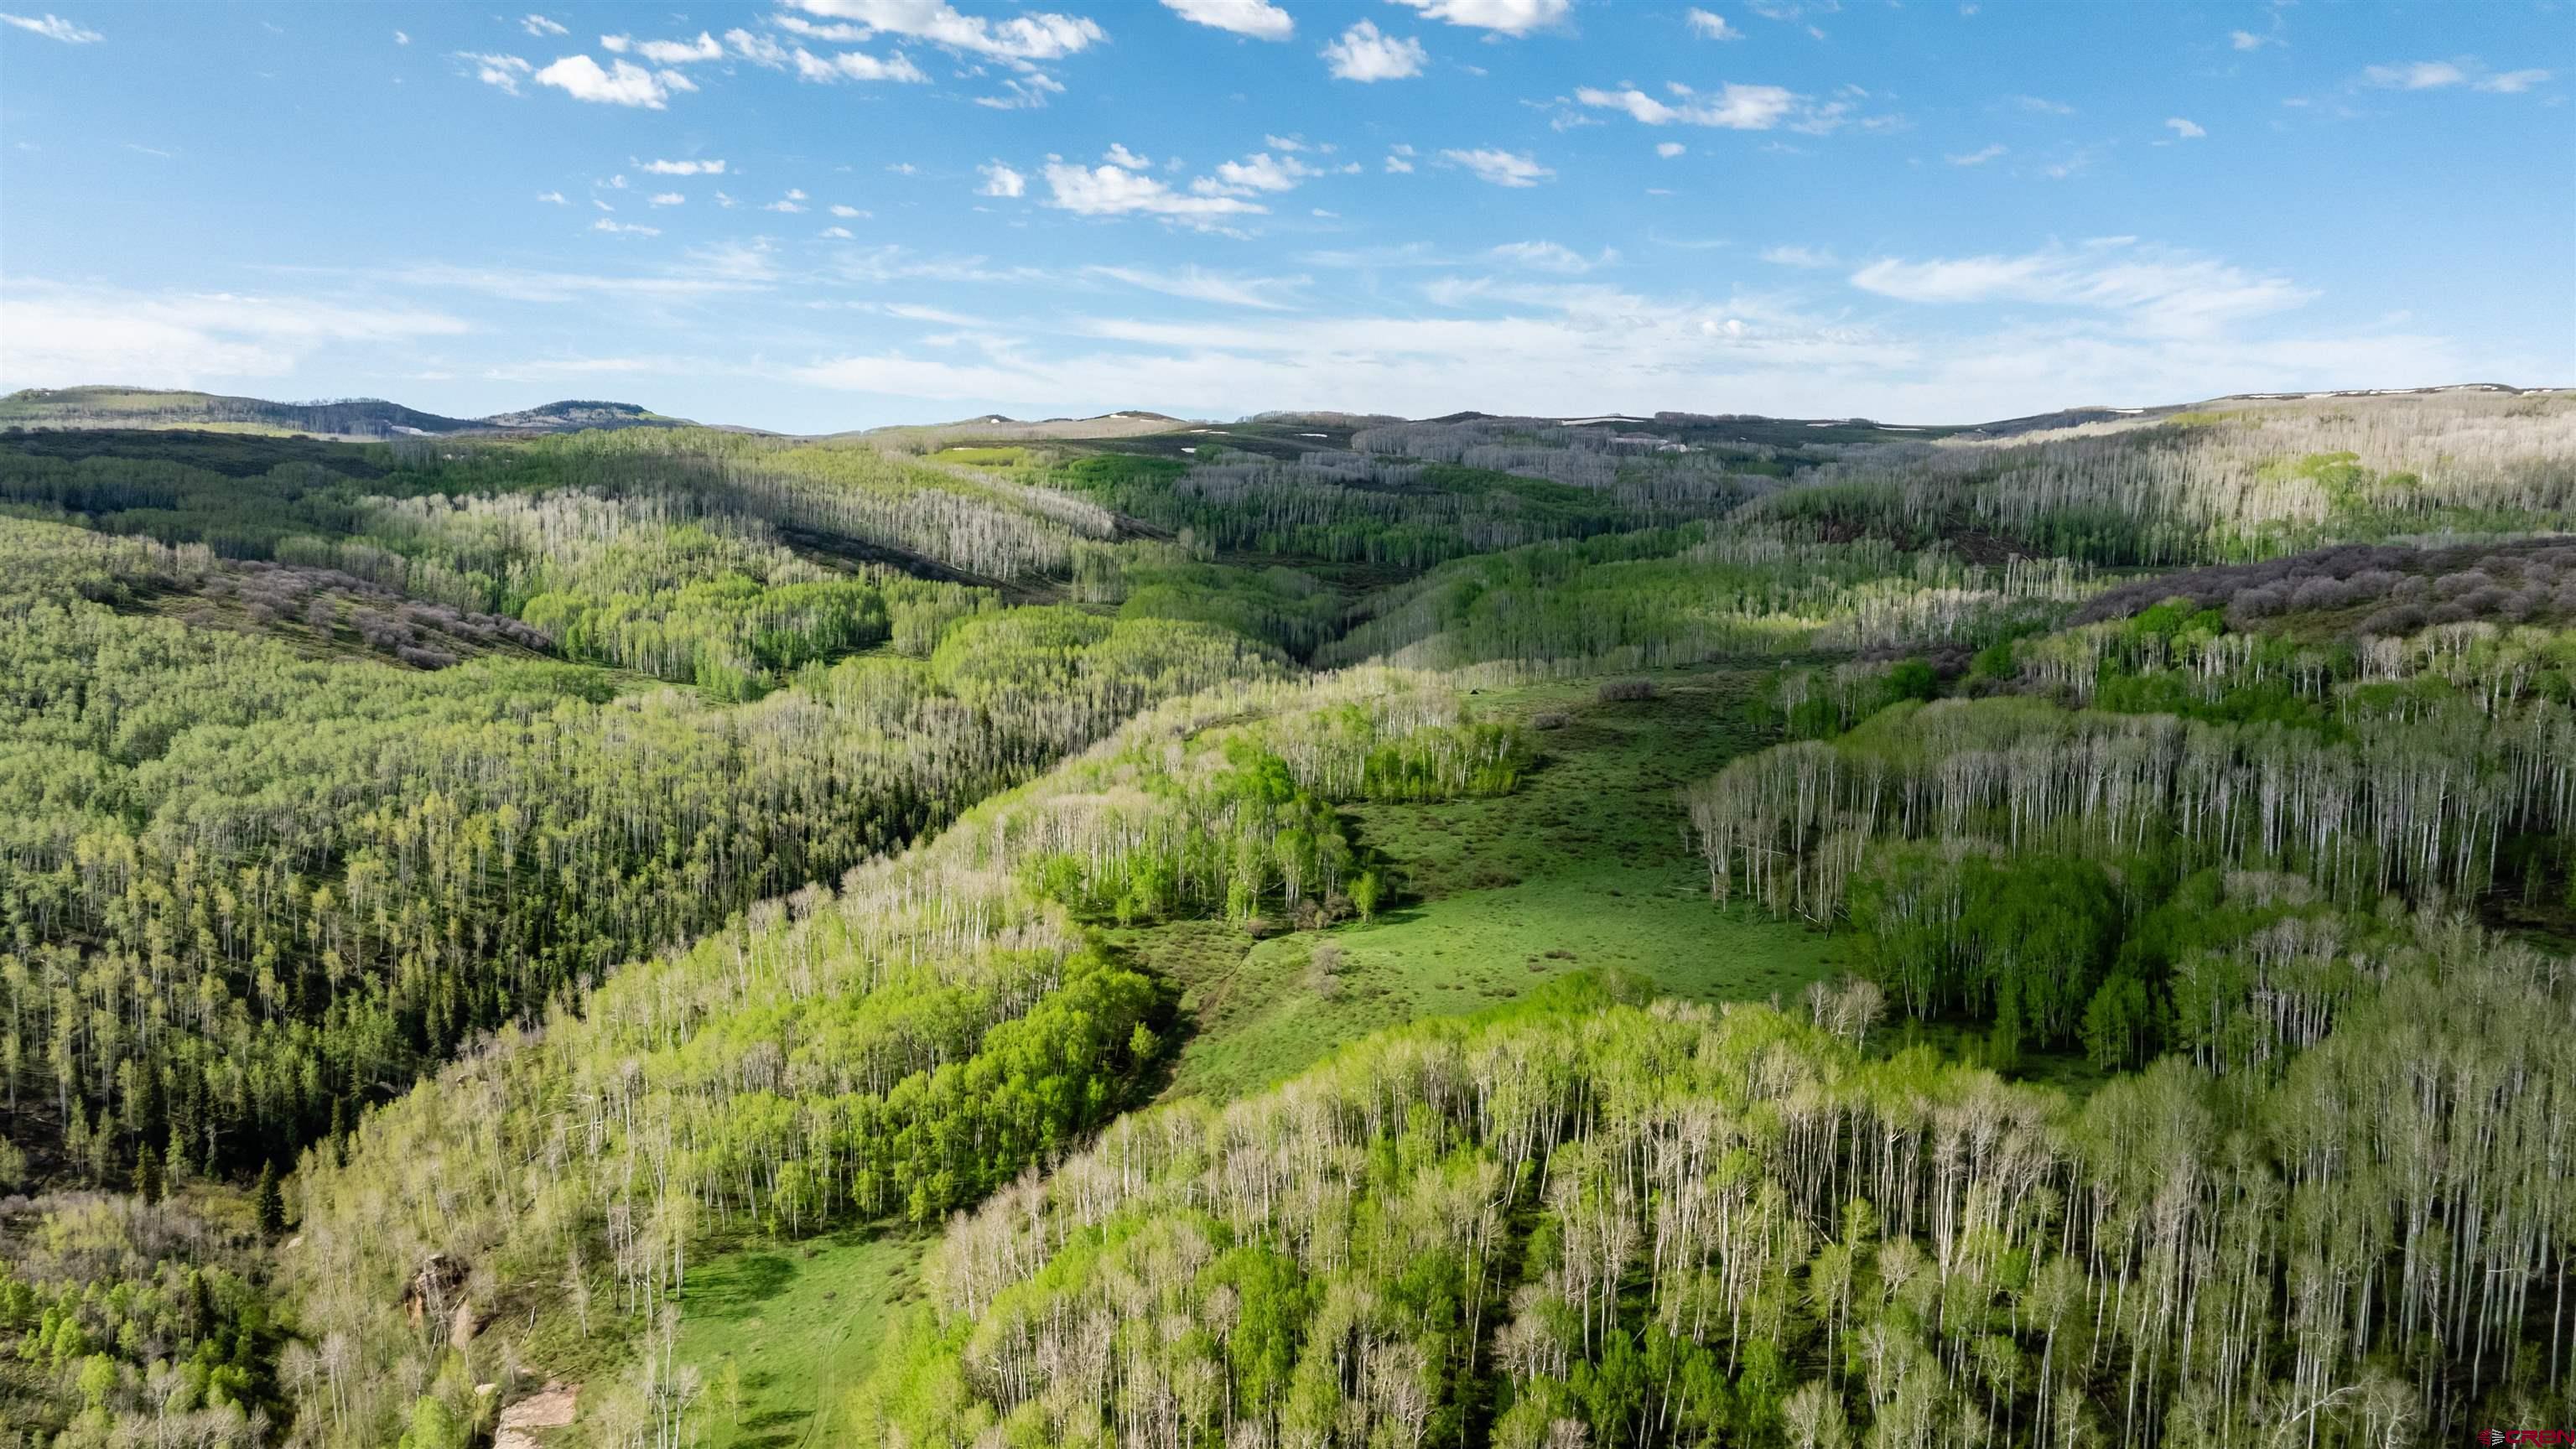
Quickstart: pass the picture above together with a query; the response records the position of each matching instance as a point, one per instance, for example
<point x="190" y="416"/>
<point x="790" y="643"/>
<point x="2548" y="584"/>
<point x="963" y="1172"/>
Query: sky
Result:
<point x="813" y="215"/>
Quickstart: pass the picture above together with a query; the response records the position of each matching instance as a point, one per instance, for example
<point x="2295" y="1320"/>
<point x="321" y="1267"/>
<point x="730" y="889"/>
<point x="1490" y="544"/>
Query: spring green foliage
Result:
<point x="1690" y="595"/>
<point x="116" y="1308"/>
<point x="1500" y="895"/>
<point x="626" y="1029"/>
<point x="1615" y="1225"/>
<point x="896" y="1049"/>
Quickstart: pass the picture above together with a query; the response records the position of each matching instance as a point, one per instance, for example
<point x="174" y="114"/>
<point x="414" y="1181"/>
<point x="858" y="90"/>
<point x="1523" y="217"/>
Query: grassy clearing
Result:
<point x="1588" y="864"/>
<point x="800" y="1324"/>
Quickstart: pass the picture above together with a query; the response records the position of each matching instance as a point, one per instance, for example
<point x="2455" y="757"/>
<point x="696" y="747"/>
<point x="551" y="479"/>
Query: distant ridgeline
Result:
<point x="122" y="407"/>
<point x="468" y="886"/>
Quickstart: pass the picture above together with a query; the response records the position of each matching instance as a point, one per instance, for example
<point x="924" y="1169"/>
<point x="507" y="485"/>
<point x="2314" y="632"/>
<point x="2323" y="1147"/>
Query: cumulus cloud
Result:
<point x="1038" y="35"/>
<point x="1502" y="168"/>
<point x="2247" y="40"/>
<point x="1732" y="107"/>
<point x="1511" y="17"/>
<point x="846" y="211"/>
<point x="760" y="50"/>
<point x="554" y="197"/>
<point x="2153" y="290"/>
<point x="622" y="83"/>
<point x="1117" y="191"/>
<point x="540" y="27"/>
<point x="1669" y="149"/>
<point x="837" y="233"/>
<point x="60" y="335"/>
<point x="1257" y="172"/>
<point x="665" y="52"/>
<point x="855" y="65"/>
<point x="682" y="168"/>
<point x="1256" y="18"/>
<point x="666" y="198"/>
<point x="1364" y="53"/>
<point x="1001" y="180"/>
<point x="2183" y="129"/>
<point x="1711" y="27"/>
<point x="55" y="27"/>
<point x="1399" y="160"/>
<point x="504" y="71"/>
<point x="619" y="228"/>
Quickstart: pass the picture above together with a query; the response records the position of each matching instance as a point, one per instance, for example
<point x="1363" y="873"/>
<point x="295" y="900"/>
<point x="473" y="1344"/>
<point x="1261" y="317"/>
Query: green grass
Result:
<point x="1003" y="457"/>
<point x="802" y="1322"/>
<point x="1588" y="864"/>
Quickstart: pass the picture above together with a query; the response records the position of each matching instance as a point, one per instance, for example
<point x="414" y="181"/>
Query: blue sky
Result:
<point x="822" y="214"/>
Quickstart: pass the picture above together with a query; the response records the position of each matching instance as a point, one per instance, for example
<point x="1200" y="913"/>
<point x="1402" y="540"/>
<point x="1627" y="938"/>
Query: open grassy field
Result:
<point x="1587" y="864"/>
<point x="797" y="1325"/>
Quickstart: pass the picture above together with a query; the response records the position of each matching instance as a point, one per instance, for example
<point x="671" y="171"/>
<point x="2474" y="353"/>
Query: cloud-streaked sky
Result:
<point x="823" y="214"/>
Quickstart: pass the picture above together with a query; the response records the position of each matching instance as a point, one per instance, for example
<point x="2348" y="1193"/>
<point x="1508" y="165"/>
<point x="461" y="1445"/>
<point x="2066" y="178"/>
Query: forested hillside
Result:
<point x="1309" y="931"/>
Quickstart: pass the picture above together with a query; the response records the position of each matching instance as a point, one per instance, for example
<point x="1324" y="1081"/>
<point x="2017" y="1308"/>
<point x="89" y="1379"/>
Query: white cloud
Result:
<point x="837" y="33"/>
<point x="1399" y="161"/>
<point x="1798" y="256"/>
<point x="1502" y="168"/>
<point x="1669" y="149"/>
<point x="540" y="27"/>
<point x="53" y="27"/>
<point x="2173" y="293"/>
<point x="2422" y="75"/>
<point x="504" y="71"/>
<point x="1038" y="35"/>
<point x="762" y="50"/>
<point x="855" y="65"/>
<point x="1118" y="155"/>
<point x="1116" y="191"/>
<point x="2247" y="40"/>
<point x="667" y="198"/>
<point x="1001" y="180"/>
<point x="683" y="168"/>
<point x="1711" y="27"/>
<point x="1978" y="157"/>
<point x="1259" y="171"/>
<point x="792" y="204"/>
<point x="556" y="197"/>
<point x="837" y="233"/>
<point x="2512" y="82"/>
<point x="1365" y="54"/>
<point x="1263" y="293"/>
<point x="665" y="52"/>
<point x="2043" y="105"/>
<point x="1256" y="18"/>
<point x="400" y="38"/>
<point x="1733" y="107"/>
<point x="1028" y="93"/>
<point x="624" y="83"/>
<point x="1512" y="17"/>
<point x="1548" y="256"/>
<point x="59" y="335"/>
<point x="2433" y="75"/>
<point x="619" y="228"/>
<point x="846" y="211"/>
<point x="2183" y="129"/>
